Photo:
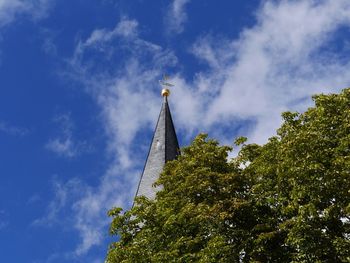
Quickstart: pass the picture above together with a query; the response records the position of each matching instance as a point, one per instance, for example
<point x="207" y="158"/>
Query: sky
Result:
<point x="79" y="99"/>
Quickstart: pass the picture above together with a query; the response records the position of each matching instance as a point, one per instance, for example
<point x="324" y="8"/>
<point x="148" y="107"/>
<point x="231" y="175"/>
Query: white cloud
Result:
<point x="10" y="9"/>
<point x="176" y="16"/>
<point x="122" y="98"/>
<point x="125" y="28"/>
<point x="275" y="65"/>
<point x="57" y="204"/>
<point x="12" y="130"/>
<point x="121" y="95"/>
<point x="64" y="144"/>
<point x="91" y="209"/>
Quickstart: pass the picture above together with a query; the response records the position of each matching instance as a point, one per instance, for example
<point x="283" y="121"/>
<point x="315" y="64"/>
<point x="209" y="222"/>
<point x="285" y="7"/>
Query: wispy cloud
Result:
<point x="273" y="66"/>
<point x="63" y="204"/>
<point x="176" y="16"/>
<point x="35" y="9"/>
<point x="12" y="130"/>
<point x="64" y="145"/>
<point x="57" y="204"/>
<point x="122" y="91"/>
<point x="121" y="94"/>
<point x="125" y="28"/>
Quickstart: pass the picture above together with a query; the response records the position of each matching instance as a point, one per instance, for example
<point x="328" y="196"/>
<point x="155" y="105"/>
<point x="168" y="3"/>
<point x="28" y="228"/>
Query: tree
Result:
<point x="285" y="201"/>
<point x="303" y="175"/>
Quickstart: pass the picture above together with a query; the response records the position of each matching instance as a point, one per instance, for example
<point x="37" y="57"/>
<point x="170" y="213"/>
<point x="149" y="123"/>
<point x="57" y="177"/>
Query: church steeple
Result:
<point x="164" y="147"/>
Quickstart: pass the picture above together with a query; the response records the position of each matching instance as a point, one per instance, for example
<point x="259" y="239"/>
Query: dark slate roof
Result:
<point x="164" y="147"/>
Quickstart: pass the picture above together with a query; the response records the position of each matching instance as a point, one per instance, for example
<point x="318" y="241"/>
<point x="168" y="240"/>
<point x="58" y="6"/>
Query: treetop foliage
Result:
<point x="285" y="201"/>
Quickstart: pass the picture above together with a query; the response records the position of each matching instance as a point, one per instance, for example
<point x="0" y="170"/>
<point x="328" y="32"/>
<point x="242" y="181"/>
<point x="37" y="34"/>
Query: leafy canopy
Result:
<point x="285" y="201"/>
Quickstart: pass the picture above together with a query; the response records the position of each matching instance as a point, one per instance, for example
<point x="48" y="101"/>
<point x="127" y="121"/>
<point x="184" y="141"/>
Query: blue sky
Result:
<point x="79" y="98"/>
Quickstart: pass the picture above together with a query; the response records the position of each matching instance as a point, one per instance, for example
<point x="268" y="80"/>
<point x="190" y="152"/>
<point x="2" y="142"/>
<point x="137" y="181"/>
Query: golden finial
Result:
<point x="165" y="91"/>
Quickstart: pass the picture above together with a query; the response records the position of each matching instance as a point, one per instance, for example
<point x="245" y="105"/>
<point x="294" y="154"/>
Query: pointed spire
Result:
<point x="164" y="147"/>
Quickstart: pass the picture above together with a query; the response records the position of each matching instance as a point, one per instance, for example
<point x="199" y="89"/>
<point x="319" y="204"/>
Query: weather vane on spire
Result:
<point x="165" y="85"/>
